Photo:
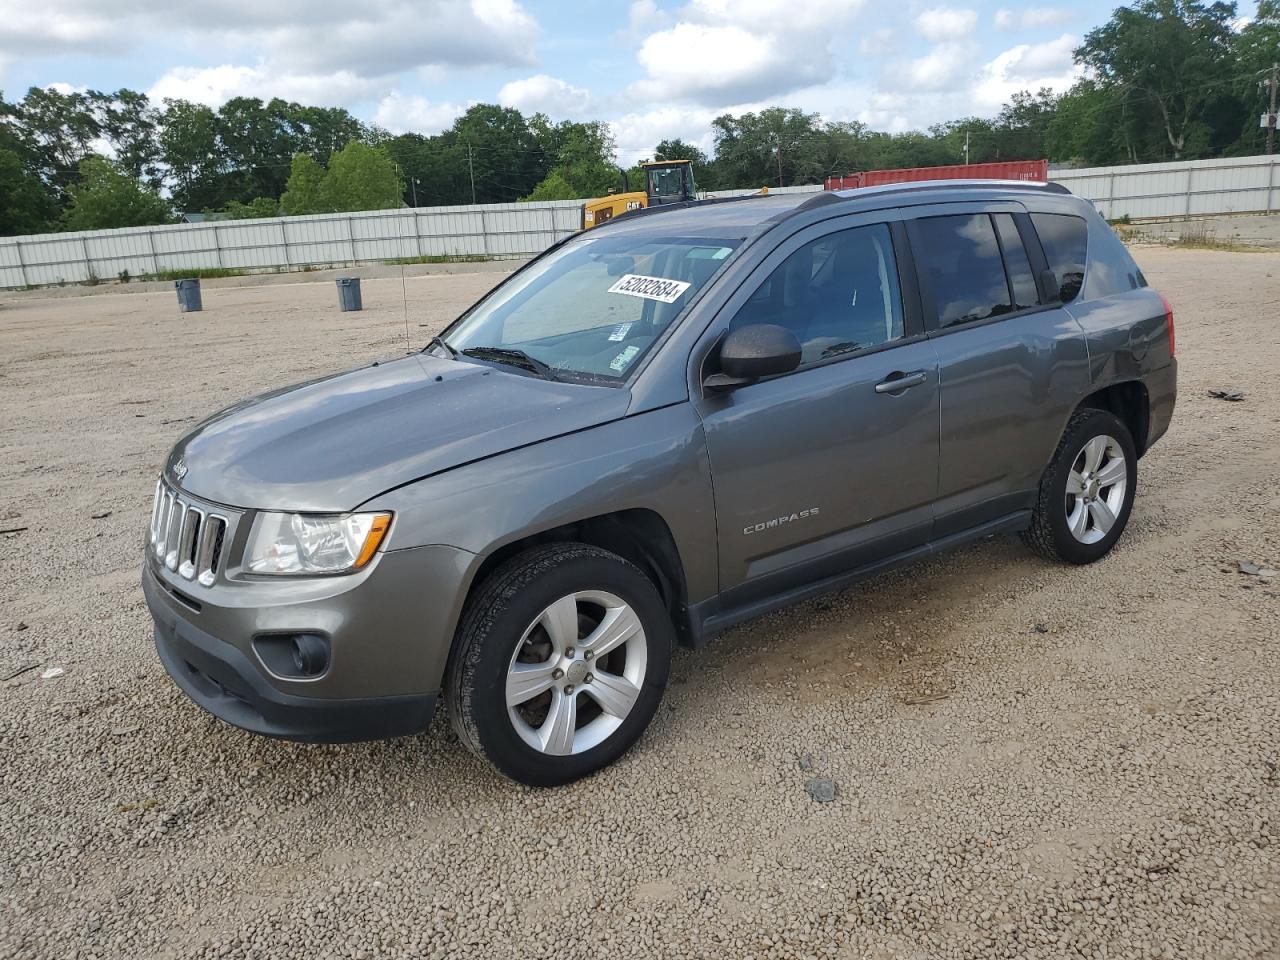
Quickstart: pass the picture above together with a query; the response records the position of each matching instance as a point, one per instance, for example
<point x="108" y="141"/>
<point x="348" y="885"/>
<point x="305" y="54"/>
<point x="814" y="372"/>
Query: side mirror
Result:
<point x="752" y="352"/>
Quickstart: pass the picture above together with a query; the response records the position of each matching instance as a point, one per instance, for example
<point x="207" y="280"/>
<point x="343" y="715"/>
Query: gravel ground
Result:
<point x="1025" y="760"/>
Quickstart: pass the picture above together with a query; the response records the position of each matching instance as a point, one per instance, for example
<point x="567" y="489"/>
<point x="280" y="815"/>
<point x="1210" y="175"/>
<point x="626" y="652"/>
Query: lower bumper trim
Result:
<point x="222" y="681"/>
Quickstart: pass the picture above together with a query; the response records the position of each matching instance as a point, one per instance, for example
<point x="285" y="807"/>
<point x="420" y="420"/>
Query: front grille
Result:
<point x="186" y="538"/>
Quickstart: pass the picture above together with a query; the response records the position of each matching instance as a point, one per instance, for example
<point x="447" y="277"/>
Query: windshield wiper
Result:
<point x="438" y="341"/>
<point x="512" y="357"/>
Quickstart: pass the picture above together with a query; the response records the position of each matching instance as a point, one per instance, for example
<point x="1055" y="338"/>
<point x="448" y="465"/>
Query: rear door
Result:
<point x="835" y="463"/>
<point x="1012" y="362"/>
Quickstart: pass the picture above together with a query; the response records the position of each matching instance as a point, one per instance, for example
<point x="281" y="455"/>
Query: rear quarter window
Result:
<point x="1065" y="241"/>
<point x="1111" y="267"/>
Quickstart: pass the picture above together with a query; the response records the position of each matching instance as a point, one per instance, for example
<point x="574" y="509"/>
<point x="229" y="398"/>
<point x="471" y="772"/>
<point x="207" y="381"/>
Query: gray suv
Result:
<point x="655" y="430"/>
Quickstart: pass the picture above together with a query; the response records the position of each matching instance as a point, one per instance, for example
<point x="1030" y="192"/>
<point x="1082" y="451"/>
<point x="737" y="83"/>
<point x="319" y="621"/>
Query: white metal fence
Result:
<point x="1185" y="189"/>
<point x="497" y="230"/>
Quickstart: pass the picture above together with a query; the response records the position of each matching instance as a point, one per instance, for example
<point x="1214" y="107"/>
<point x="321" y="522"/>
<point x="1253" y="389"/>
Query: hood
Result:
<point x="331" y="444"/>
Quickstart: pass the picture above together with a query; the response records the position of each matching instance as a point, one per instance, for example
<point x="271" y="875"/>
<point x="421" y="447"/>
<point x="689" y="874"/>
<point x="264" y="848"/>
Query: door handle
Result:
<point x="898" y="381"/>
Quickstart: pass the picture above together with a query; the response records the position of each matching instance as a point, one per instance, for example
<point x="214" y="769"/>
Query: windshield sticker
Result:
<point x="625" y="357"/>
<point x="620" y="332"/>
<point x="651" y="288"/>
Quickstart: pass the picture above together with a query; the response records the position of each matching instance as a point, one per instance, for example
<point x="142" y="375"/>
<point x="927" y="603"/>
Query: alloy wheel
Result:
<point x="576" y="673"/>
<point x="1096" y="487"/>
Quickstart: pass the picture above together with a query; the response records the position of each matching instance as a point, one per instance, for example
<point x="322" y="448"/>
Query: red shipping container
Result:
<point x="1033" y="170"/>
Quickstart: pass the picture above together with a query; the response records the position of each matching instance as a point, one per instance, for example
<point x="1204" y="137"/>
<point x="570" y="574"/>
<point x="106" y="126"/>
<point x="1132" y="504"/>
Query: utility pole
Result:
<point x="966" y="148"/>
<point x="413" y="188"/>
<point x="1273" y="82"/>
<point x="472" y="167"/>
<point x="778" y="151"/>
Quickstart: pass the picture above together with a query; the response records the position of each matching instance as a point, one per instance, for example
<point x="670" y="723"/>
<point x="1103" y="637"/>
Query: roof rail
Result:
<point x="826" y="197"/>
<point x="911" y="185"/>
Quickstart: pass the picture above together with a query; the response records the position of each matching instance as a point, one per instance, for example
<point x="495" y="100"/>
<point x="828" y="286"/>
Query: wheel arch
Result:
<point x="1128" y="400"/>
<point x="639" y="535"/>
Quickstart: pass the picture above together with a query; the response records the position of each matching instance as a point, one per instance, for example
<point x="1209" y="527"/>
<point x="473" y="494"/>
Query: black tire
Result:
<point x="499" y="612"/>
<point x="1049" y="534"/>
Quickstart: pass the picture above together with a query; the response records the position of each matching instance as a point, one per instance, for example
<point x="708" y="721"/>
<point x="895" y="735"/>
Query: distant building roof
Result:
<point x="203" y="217"/>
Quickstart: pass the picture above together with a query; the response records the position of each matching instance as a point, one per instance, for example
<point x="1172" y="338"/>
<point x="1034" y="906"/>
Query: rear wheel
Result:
<point x="562" y="659"/>
<point x="1086" y="494"/>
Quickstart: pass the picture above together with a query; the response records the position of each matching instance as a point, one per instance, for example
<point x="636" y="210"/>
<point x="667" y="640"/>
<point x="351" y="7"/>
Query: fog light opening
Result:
<point x="310" y="655"/>
<point x="293" y="656"/>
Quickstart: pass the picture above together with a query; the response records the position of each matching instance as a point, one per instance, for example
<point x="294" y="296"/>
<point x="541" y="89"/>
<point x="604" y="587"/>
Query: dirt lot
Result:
<point x="1031" y="760"/>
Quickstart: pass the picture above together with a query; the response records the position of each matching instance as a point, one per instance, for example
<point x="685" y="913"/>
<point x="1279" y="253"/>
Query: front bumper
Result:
<point x="389" y="631"/>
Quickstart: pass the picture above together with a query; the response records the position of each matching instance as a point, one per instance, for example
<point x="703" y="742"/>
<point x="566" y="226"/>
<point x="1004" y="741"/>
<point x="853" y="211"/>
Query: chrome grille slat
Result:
<point x="155" y="511"/>
<point x="207" y="557"/>
<point x="187" y="538"/>
<point x="192" y="521"/>
<point x="177" y="513"/>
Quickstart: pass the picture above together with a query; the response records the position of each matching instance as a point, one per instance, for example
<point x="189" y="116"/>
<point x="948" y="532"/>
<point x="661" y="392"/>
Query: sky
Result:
<point x="652" y="68"/>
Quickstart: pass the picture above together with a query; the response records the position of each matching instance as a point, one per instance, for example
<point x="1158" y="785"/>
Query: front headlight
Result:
<point x="302" y="544"/>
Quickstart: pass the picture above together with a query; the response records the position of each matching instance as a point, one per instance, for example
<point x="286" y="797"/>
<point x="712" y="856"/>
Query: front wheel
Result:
<point x="1087" y="490"/>
<point x="562" y="659"/>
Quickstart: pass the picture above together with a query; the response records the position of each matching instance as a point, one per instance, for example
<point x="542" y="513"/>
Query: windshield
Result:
<point x="593" y="308"/>
<point x="666" y="182"/>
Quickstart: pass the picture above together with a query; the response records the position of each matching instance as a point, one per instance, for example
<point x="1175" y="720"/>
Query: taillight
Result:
<point x="1168" y="321"/>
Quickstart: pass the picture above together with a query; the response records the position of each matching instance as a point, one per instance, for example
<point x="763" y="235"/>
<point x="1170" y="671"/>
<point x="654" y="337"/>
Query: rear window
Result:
<point x="1064" y="239"/>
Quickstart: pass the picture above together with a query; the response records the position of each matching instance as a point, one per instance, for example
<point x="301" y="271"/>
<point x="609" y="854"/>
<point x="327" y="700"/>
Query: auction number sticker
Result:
<point x="651" y="288"/>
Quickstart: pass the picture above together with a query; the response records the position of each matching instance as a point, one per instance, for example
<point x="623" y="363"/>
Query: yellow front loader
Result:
<point x="665" y="181"/>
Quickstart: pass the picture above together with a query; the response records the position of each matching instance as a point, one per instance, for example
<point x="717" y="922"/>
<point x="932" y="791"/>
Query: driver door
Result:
<point x="835" y="464"/>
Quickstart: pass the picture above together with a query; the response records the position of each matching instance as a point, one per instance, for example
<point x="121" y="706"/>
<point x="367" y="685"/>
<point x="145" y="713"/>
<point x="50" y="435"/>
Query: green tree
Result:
<point x="581" y="157"/>
<point x="1167" y="57"/>
<point x="107" y="197"/>
<point x="1256" y="47"/>
<point x="59" y="129"/>
<point x="130" y="124"/>
<point x="192" y="152"/>
<point x="499" y="146"/>
<point x="554" y="187"/>
<point x="26" y="204"/>
<point x="361" y="177"/>
<point x="779" y="146"/>
<point x="1090" y="127"/>
<point x="256" y="209"/>
<point x="305" y="191"/>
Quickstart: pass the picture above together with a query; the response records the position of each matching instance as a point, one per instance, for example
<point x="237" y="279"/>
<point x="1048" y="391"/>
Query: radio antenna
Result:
<point x="404" y="293"/>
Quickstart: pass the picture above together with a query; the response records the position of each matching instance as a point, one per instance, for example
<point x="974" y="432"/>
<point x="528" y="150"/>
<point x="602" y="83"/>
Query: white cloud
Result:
<point x="410" y="114"/>
<point x="543" y="94"/>
<point x="389" y="36"/>
<point x="1027" y="67"/>
<point x="295" y="44"/>
<point x="637" y="133"/>
<point x="34" y="29"/>
<point x="645" y="16"/>
<point x="216" y="85"/>
<point x="1032" y="18"/>
<point x="724" y="52"/>
<point x="946" y="24"/>
<point x="942" y="68"/>
<point x="877" y="43"/>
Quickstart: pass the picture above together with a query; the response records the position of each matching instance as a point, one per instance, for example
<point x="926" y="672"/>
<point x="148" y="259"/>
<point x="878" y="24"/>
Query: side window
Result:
<point x="961" y="257"/>
<point x="1064" y="238"/>
<point x="1021" y="280"/>
<point x="837" y="294"/>
<point x="1111" y="269"/>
